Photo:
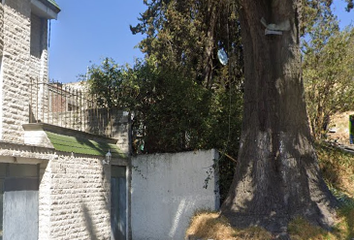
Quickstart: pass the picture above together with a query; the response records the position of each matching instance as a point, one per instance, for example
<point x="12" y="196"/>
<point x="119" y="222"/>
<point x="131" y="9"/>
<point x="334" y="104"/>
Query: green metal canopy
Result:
<point x="82" y="145"/>
<point x="53" y="3"/>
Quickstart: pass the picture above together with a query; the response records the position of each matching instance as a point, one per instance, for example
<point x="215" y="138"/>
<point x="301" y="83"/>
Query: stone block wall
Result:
<point x="1" y="57"/>
<point x="74" y="200"/>
<point x="122" y="131"/>
<point x="74" y="192"/>
<point x="1" y="29"/>
<point x="20" y="65"/>
<point x="115" y="123"/>
<point x="16" y="68"/>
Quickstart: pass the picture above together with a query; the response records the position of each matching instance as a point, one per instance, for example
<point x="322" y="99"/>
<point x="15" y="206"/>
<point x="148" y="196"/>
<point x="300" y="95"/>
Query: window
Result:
<point x="72" y="107"/>
<point x="36" y="35"/>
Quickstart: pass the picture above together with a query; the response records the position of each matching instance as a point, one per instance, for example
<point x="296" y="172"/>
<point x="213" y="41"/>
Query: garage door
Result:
<point x="19" y="185"/>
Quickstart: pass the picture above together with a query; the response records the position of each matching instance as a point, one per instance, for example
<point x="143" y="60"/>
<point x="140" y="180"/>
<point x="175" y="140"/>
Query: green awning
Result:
<point x="83" y="145"/>
<point x="53" y="3"/>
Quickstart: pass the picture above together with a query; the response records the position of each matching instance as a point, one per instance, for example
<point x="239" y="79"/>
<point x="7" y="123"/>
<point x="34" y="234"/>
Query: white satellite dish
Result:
<point x="223" y="58"/>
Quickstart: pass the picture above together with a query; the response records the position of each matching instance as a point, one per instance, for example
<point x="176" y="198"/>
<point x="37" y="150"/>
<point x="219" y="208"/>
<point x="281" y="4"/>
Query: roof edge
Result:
<point x="51" y="4"/>
<point x="70" y="140"/>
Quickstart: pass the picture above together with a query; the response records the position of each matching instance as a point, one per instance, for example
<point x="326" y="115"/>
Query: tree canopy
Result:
<point x="182" y="97"/>
<point x="327" y="71"/>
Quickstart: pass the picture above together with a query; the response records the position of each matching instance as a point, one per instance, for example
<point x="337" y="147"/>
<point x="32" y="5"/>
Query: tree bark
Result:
<point x="277" y="177"/>
<point x="209" y="44"/>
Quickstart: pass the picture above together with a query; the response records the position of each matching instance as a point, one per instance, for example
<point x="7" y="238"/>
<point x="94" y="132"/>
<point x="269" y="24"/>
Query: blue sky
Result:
<point x="344" y="17"/>
<point x="89" y="30"/>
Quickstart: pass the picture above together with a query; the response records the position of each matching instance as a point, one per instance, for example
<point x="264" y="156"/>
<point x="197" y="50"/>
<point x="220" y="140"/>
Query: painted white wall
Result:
<point x="166" y="191"/>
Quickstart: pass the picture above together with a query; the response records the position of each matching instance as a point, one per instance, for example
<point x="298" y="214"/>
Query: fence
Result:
<point x="70" y="106"/>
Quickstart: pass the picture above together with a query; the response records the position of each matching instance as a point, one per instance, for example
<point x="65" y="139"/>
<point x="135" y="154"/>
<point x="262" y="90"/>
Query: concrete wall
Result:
<point x="166" y="191"/>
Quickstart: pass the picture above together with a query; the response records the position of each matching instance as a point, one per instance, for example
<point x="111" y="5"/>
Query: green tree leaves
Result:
<point x="194" y="101"/>
<point x="327" y="71"/>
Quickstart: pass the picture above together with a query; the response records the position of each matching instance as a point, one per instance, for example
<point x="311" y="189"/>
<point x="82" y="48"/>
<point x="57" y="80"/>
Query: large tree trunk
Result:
<point x="277" y="177"/>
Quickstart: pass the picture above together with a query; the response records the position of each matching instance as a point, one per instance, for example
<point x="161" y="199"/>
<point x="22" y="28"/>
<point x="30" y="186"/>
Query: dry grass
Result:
<point x="207" y="225"/>
<point x="300" y="229"/>
<point x="337" y="168"/>
<point x="210" y="225"/>
<point x="338" y="171"/>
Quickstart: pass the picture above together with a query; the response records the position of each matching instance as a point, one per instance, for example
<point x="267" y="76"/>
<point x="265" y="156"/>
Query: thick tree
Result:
<point x="277" y="177"/>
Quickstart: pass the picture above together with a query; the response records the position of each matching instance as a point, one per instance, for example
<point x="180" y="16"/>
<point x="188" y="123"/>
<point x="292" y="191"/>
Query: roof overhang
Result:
<point x="70" y="141"/>
<point x="45" y="9"/>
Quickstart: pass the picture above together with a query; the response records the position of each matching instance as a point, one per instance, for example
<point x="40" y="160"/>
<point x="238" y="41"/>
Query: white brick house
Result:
<point x="55" y="180"/>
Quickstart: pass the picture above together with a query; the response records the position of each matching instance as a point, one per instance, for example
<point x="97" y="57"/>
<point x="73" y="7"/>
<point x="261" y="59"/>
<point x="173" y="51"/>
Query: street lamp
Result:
<point x="108" y="158"/>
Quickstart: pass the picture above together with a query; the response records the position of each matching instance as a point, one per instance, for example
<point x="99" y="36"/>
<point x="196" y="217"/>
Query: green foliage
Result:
<point x="313" y="13"/>
<point x="185" y="35"/>
<point x="337" y="167"/>
<point x="194" y="101"/>
<point x="350" y="5"/>
<point x="181" y="96"/>
<point x="327" y="62"/>
<point x="173" y="113"/>
<point x="182" y="40"/>
<point x="112" y="85"/>
<point x="328" y="78"/>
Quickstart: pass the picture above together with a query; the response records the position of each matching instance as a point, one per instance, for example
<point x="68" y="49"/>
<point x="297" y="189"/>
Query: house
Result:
<point x="54" y="181"/>
<point x="65" y="165"/>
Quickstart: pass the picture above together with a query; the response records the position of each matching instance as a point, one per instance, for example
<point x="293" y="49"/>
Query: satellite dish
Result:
<point x="223" y="58"/>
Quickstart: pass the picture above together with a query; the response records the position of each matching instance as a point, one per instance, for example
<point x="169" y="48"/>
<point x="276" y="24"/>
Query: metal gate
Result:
<point x="19" y="185"/>
<point x="118" y="203"/>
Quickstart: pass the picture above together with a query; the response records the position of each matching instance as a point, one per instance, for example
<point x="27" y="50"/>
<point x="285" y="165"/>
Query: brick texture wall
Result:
<point x="74" y="201"/>
<point x="74" y="192"/>
<point x="16" y="33"/>
<point x="19" y="65"/>
<point x="1" y="28"/>
<point x="1" y="57"/>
